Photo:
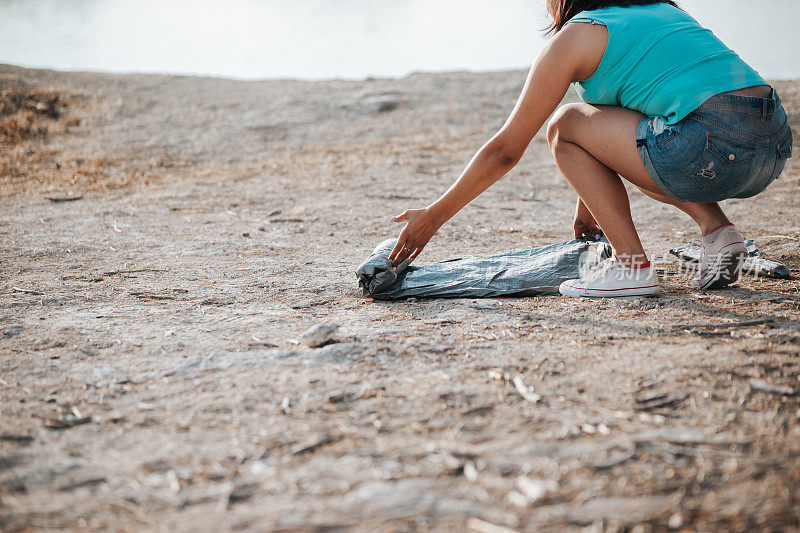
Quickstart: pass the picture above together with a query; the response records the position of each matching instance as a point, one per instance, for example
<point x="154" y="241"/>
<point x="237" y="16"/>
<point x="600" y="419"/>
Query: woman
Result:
<point x="667" y="106"/>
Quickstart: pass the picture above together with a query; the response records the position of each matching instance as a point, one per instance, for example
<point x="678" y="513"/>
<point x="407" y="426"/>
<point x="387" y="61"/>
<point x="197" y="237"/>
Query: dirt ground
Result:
<point x="163" y="252"/>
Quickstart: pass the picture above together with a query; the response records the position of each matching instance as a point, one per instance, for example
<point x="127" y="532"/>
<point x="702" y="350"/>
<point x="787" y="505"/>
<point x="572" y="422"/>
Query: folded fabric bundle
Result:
<point x="755" y="263"/>
<point x="524" y="273"/>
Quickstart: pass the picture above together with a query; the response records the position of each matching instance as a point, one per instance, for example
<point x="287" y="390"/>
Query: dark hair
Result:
<point x="564" y="10"/>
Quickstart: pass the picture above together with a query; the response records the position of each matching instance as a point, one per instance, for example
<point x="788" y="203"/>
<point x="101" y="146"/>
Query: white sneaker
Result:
<point x="724" y="253"/>
<point x="611" y="279"/>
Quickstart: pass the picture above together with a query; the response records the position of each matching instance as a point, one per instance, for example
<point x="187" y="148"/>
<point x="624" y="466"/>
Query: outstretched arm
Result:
<point x="559" y="64"/>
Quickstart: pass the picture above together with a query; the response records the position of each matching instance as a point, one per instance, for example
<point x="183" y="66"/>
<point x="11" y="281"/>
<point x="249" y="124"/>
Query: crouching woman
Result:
<point x="666" y="106"/>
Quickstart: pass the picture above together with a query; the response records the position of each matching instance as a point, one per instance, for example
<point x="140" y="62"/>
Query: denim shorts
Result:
<point x="730" y="147"/>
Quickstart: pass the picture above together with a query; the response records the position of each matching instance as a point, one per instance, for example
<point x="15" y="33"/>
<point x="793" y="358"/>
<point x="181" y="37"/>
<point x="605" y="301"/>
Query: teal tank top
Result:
<point x="661" y="62"/>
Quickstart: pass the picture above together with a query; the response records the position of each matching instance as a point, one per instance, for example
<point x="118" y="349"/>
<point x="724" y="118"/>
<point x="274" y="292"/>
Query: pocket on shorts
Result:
<point x="669" y="134"/>
<point x="785" y="147"/>
<point x="724" y="165"/>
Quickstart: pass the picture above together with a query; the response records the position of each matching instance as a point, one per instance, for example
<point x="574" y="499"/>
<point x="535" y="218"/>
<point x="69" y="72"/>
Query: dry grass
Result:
<point x="26" y="113"/>
<point x="30" y="119"/>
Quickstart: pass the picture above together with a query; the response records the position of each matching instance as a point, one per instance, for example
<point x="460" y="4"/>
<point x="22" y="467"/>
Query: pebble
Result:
<point x="319" y="335"/>
<point x="535" y="489"/>
<point x="470" y="472"/>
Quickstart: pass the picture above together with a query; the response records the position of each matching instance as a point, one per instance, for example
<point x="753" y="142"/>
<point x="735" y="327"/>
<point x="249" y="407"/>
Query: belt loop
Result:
<point x="764" y="111"/>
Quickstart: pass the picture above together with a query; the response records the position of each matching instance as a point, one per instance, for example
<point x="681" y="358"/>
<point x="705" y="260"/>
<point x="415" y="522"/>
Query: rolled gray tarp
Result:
<point x="525" y="273"/>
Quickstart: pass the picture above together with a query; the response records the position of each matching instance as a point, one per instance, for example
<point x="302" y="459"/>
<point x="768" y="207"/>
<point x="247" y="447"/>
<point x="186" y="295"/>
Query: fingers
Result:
<point x="407" y="245"/>
<point x="405" y="253"/>
<point x="402" y="217"/>
<point x="398" y="247"/>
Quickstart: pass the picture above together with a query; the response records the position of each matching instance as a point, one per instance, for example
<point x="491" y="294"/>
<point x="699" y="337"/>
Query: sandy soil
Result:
<point x="152" y="378"/>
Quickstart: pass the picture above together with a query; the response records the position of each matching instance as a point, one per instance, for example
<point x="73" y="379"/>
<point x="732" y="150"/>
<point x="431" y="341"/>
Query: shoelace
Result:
<point x="700" y="262"/>
<point x="600" y="269"/>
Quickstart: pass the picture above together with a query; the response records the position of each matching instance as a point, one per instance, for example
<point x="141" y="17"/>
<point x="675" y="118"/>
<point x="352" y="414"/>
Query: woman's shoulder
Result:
<point x="585" y="44"/>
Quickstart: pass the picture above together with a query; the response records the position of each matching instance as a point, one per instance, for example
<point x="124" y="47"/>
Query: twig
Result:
<point x="26" y="291"/>
<point x="14" y="437"/>
<point x="618" y="460"/>
<point x="148" y="296"/>
<point x="659" y="401"/>
<point x="780" y="237"/>
<point x="742" y="324"/>
<point x="57" y="199"/>
<point x="132" y="271"/>
<point x="480" y="526"/>
<point x="311" y="446"/>
<point x="525" y="391"/>
<point x="65" y="423"/>
<point x="771" y="388"/>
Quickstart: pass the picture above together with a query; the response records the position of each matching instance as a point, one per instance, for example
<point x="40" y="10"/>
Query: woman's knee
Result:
<point x="563" y="121"/>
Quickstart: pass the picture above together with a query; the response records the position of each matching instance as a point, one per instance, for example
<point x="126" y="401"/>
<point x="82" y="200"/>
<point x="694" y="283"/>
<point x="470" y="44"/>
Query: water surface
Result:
<point x="318" y="39"/>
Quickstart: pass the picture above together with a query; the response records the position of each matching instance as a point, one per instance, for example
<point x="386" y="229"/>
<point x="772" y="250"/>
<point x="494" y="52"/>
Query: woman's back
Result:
<point x="661" y="61"/>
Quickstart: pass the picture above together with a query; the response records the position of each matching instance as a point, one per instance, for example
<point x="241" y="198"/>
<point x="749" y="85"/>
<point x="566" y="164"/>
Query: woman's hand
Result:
<point x="585" y="224"/>
<point x="420" y="227"/>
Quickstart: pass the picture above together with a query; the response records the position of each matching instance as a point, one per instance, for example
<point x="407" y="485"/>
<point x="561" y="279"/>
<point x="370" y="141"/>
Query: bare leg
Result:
<point x="604" y="195"/>
<point x="707" y="216"/>
<point x="593" y="146"/>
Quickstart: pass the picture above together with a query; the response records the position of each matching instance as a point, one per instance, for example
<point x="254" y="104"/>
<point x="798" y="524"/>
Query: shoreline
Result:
<point x="368" y="78"/>
<point x="200" y="75"/>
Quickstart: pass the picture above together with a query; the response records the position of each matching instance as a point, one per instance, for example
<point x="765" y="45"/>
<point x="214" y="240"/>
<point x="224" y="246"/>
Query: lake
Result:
<point x="350" y="39"/>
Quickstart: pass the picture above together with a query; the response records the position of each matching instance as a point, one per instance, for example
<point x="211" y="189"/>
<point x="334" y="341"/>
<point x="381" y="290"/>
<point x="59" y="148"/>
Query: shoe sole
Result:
<point x="727" y="271"/>
<point x="647" y="291"/>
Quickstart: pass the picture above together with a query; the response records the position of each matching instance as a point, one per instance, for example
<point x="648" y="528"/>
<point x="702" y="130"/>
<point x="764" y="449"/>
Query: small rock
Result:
<point x="516" y="499"/>
<point x="535" y="489"/>
<point x="470" y="472"/>
<point x="675" y="521"/>
<point x="386" y="105"/>
<point x="319" y="335"/>
<point x="338" y="396"/>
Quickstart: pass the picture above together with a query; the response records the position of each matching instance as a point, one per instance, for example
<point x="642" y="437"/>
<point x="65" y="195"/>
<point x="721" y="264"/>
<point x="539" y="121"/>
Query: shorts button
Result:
<point x="732" y="157"/>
